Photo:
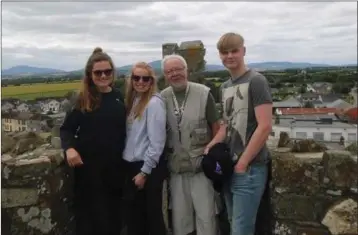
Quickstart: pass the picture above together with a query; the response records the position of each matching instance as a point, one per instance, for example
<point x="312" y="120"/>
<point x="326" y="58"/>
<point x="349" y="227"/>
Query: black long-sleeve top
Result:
<point x="101" y="133"/>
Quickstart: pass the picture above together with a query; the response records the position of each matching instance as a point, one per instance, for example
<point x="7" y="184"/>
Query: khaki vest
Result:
<point x="194" y="129"/>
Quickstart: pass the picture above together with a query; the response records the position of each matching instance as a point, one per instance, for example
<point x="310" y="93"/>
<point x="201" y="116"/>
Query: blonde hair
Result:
<point x="230" y="41"/>
<point x="144" y="99"/>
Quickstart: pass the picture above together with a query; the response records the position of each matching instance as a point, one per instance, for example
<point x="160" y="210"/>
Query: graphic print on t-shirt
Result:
<point x="235" y="101"/>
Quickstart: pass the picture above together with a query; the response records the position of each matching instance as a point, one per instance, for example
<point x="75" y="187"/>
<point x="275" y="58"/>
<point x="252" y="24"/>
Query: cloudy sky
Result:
<point x="63" y="35"/>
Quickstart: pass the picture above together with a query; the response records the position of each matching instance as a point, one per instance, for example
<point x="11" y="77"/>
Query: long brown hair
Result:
<point x="89" y="97"/>
<point x="130" y="93"/>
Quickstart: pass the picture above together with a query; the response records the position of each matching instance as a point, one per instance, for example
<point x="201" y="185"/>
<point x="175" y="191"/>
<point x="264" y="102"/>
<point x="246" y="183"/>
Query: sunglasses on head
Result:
<point x="136" y="78"/>
<point x="106" y="72"/>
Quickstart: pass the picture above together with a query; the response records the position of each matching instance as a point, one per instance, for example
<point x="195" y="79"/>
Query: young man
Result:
<point x="192" y="119"/>
<point x="247" y="114"/>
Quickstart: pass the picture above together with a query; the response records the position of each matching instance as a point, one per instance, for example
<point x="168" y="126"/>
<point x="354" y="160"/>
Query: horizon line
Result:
<point x="219" y="64"/>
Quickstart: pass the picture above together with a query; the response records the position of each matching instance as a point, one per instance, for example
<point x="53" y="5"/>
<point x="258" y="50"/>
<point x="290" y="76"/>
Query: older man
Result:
<point x="247" y="112"/>
<point x="192" y="119"/>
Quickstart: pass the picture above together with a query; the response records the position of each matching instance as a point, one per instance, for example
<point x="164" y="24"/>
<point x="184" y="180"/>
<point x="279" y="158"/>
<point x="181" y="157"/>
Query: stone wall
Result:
<point x="35" y="195"/>
<point x="313" y="193"/>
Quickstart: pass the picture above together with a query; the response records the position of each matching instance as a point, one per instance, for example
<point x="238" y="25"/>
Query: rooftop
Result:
<point x="309" y="117"/>
<point x="340" y="104"/>
<point x="306" y="111"/>
<point x="320" y="84"/>
<point x="309" y="95"/>
<point x="329" y="98"/>
<point x="291" y="102"/>
<point x="313" y="124"/>
<point x="24" y="116"/>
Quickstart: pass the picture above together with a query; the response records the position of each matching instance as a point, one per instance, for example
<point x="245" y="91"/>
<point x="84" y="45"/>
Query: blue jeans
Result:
<point x="242" y="197"/>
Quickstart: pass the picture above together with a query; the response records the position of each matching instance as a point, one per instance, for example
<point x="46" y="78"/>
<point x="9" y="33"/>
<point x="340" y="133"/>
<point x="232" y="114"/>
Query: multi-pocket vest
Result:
<point x="187" y="138"/>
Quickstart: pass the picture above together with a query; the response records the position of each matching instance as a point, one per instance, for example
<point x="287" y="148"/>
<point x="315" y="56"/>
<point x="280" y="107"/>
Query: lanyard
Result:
<point x="179" y="111"/>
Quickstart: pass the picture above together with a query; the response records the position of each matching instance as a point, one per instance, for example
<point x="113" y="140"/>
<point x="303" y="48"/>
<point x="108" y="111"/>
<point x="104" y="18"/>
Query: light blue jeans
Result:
<point x="242" y="198"/>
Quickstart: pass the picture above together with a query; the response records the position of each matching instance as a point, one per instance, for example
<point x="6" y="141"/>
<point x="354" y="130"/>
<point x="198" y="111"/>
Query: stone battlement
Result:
<point x="312" y="192"/>
<point x="35" y="195"/>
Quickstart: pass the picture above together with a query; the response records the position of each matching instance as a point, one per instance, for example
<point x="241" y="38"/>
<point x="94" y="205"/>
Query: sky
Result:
<point x="62" y="35"/>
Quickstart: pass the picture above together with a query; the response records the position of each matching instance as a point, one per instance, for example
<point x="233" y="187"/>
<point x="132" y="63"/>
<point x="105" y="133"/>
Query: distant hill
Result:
<point x="263" y="65"/>
<point x="28" y="70"/>
<point x="23" y="70"/>
<point x="285" y="65"/>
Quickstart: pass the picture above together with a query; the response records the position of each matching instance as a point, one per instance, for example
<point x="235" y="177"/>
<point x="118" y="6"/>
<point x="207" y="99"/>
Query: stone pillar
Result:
<point x="36" y="193"/>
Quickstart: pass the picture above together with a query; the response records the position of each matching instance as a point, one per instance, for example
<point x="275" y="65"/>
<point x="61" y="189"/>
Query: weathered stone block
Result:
<point x="301" y="207"/>
<point x="340" y="170"/>
<point x="7" y="143"/>
<point x="26" y="141"/>
<point x="310" y="228"/>
<point x="41" y="202"/>
<point x="289" y="227"/>
<point x="14" y="197"/>
<point x="300" y="172"/>
<point x="294" y="207"/>
<point x="342" y="218"/>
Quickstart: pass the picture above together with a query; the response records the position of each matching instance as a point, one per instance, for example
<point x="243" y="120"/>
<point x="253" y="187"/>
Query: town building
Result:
<point x="320" y="127"/>
<point x="24" y="121"/>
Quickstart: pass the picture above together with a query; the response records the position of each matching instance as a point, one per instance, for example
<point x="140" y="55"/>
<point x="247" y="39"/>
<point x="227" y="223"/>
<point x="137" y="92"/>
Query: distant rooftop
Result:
<point x="309" y="117"/>
<point x="291" y="102"/>
<point x="309" y="95"/>
<point x="306" y="111"/>
<point x="24" y="116"/>
<point x="340" y="104"/>
<point x="313" y="124"/>
<point x="329" y="98"/>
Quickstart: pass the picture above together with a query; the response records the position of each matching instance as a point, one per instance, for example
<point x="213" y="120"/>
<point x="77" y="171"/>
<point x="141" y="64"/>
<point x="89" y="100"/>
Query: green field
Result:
<point x="30" y="92"/>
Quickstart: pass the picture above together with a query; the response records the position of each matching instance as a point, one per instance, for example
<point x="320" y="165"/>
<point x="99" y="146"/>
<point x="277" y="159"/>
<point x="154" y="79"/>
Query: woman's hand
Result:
<point x="73" y="158"/>
<point x="139" y="180"/>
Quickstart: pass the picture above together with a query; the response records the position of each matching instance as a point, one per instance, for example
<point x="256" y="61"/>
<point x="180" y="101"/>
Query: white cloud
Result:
<point x="63" y="35"/>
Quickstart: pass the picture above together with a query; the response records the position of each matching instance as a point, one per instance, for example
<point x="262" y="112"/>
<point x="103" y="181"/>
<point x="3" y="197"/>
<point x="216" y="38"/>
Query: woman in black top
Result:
<point x="93" y="137"/>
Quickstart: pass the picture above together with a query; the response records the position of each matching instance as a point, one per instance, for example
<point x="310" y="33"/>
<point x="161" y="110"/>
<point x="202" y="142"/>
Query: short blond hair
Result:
<point x="230" y="41"/>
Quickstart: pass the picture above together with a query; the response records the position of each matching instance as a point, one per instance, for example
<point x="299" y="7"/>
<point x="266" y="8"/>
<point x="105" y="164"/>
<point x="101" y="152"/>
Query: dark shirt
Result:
<point x="100" y="133"/>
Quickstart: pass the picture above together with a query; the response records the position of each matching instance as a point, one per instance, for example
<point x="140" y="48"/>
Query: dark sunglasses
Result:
<point x="106" y="72"/>
<point x="136" y="78"/>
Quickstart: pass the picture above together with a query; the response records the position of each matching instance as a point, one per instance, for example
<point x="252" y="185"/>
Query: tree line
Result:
<point x="342" y="78"/>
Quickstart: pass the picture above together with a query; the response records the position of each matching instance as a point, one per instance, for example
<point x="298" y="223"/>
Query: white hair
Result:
<point x="171" y="57"/>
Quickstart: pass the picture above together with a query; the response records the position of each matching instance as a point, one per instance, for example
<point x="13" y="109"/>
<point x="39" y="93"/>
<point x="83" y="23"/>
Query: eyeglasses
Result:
<point x="136" y="78"/>
<point x="175" y="70"/>
<point x="106" y="72"/>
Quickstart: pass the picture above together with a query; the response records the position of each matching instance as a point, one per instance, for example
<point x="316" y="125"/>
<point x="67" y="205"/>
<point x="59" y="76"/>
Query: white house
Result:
<point x="52" y="105"/>
<point x="310" y="88"/>
<point x="320" y="130"/>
